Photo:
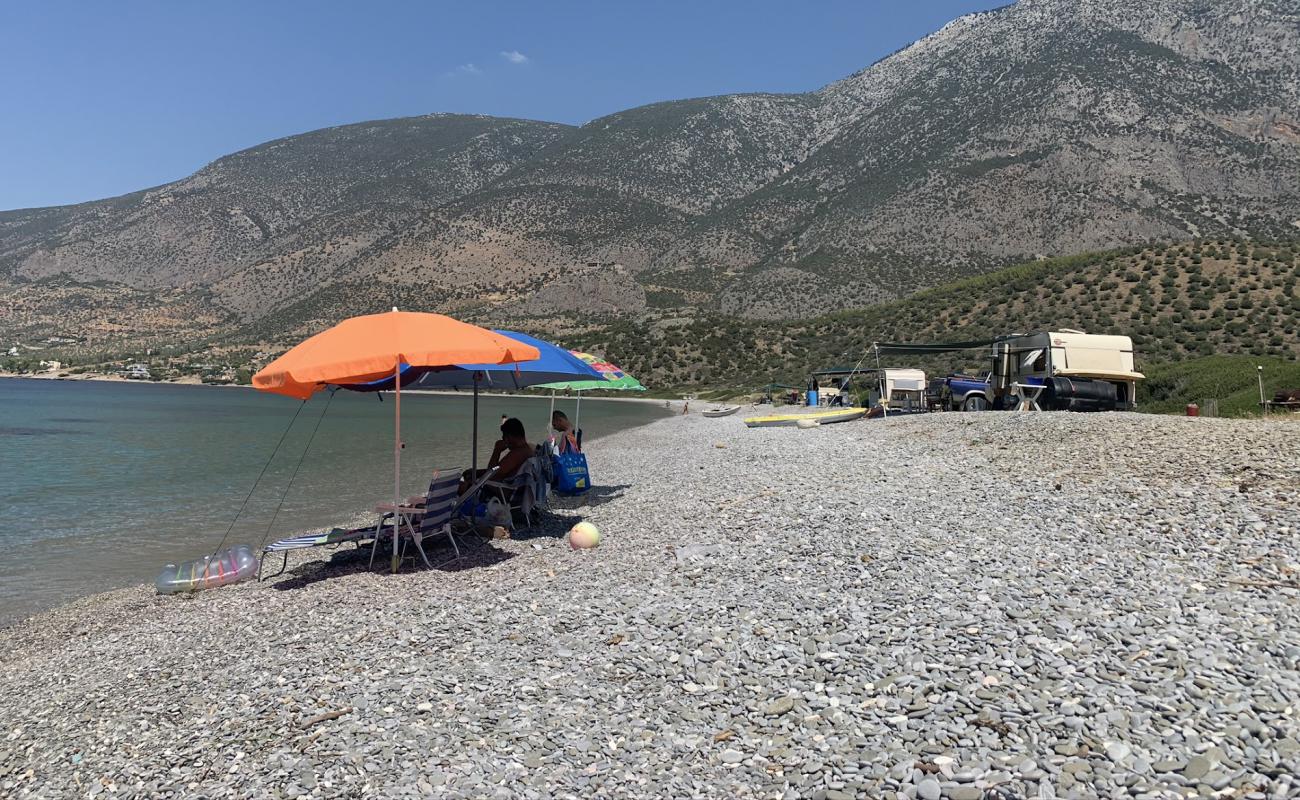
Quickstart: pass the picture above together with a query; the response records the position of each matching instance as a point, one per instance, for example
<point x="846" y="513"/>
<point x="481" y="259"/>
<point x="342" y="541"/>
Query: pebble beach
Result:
<point x="955" y="606"/>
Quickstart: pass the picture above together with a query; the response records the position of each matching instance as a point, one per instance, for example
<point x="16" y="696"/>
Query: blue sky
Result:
<point x="102" y="98"/>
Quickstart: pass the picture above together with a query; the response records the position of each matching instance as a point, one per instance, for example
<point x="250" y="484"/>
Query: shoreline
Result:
<point x="999" y="623"/>
<point x="116" y="379"/>
<point x="41" y="582"/>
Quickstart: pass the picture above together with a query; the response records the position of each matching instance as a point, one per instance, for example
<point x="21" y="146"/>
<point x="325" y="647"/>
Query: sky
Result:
<point x="102" y="98"/>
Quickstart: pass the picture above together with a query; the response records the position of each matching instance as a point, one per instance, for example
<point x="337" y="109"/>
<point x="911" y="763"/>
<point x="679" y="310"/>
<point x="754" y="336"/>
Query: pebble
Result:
<point x="1197" y="767"/>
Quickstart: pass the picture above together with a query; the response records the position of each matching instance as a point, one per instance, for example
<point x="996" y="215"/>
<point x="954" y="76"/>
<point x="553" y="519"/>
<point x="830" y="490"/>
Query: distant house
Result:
<point x="137" y="372"/>
<point x="13" y="351"/>
<point x="52" y="366"/>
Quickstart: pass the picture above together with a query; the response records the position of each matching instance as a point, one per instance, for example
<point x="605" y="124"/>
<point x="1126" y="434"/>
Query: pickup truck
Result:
<point x="964" y="392"/>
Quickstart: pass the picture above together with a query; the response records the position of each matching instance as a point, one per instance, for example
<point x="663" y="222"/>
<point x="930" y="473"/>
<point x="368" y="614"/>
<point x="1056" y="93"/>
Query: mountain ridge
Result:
<point x="1040" y="128"/>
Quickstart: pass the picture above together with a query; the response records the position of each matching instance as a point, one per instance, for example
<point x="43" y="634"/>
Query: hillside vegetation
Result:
<point x="1178" y="302"/>
<point x="1228" y="386"/>
<point x="1202" y="316"/>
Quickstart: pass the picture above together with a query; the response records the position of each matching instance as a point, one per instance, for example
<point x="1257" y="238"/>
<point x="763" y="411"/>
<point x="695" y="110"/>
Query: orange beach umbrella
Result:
<point x="376" y="346"/>
<point x="373" y="347"/>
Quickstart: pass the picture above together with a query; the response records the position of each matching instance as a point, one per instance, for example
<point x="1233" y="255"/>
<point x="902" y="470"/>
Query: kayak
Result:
<point x="826" y="417"/>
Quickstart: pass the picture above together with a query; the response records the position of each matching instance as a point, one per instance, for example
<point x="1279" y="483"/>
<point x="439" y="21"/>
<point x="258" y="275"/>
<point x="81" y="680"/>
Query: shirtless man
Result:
<point x="508" y="454"/>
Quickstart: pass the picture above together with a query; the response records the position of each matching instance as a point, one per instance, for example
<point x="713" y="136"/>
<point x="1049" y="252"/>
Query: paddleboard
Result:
<point x="826" y="417"/>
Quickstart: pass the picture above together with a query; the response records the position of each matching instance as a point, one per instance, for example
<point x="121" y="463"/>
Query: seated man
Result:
<point x="508" y="454"/>
<point x="566" y="438"/>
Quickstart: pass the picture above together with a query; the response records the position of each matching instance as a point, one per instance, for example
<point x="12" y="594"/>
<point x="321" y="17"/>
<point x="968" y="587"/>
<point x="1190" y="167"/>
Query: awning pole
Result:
<point x="880" y="374"/>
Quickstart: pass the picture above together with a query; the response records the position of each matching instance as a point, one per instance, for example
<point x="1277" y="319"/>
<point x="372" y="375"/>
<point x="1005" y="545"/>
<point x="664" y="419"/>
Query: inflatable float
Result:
<point x="232" y="565"/>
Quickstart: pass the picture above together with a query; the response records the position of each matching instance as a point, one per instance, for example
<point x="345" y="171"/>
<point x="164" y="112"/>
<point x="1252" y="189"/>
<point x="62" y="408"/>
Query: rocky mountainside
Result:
<point x="1044" y="128"/>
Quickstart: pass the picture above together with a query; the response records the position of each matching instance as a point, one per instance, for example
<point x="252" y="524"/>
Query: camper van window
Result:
<point x="1034" y="361"/>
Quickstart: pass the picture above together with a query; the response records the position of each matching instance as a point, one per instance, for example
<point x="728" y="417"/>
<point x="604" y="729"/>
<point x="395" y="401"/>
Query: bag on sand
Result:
<point x="497" y="513"/>
<point x="571" y="476"/>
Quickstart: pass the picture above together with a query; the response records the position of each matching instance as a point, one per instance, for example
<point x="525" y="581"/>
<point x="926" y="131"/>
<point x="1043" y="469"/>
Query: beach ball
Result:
<point x="584" y="536"/>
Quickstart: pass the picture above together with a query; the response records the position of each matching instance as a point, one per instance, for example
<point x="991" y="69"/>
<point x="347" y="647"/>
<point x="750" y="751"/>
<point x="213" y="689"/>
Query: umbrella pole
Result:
<point x="577" y="412"/>
<point x="550" y="416"/>
<point x="473" y="456"/>
<point x="397" y="459"/>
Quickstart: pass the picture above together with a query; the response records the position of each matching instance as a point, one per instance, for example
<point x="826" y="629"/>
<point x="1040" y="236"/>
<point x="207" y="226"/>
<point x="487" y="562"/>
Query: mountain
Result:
<point x="1044" y="128"/>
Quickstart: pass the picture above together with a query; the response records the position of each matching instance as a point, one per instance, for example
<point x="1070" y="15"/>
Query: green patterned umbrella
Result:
<point x="615" y="378"/>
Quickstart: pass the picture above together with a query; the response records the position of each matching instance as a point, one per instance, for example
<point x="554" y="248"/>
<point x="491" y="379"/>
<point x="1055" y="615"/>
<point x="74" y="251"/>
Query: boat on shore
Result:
<point x="824" y="417"/>
<point x="725" y="411"/>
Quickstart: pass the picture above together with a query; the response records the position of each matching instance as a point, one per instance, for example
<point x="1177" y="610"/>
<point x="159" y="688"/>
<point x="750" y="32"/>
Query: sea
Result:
<point x="102" y="483"/>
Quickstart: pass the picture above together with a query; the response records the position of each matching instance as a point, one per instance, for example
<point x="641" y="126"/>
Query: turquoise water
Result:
<point x="102" y="483"/>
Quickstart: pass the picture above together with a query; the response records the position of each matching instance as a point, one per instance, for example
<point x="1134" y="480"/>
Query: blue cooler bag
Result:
<point x="571" y="476"/>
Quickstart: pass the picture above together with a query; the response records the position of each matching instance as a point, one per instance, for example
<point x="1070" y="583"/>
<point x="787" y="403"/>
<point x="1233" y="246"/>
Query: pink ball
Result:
<point x="584" y="536"/>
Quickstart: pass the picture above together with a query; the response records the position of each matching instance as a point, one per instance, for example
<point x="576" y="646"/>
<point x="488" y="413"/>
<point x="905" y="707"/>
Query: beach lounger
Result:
<point x="331" y="538"/>
<point x="432" y="517"/>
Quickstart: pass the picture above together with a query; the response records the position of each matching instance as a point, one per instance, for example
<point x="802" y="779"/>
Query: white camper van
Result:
<point x="1066" y="371"/>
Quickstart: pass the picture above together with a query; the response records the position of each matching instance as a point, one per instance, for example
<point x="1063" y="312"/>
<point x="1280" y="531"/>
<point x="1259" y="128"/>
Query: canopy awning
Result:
<point x="902" y="348"/>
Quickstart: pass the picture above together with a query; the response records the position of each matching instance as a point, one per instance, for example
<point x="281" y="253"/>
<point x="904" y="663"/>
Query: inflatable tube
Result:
<point x="232" y="565"/>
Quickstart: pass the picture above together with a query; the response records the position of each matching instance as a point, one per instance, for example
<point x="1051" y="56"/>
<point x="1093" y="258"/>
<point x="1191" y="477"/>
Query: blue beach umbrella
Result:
<point x="554" y="364"/>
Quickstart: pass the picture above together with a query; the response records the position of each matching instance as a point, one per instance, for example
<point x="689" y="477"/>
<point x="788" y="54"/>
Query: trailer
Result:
<point x="1065" y="370"/>
<point x="896" y="389"/>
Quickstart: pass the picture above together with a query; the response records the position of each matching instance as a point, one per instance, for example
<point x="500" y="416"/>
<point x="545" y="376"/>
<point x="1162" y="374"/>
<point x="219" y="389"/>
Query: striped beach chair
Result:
<point x="331" y="538"/>
<point x="432" y="518"/>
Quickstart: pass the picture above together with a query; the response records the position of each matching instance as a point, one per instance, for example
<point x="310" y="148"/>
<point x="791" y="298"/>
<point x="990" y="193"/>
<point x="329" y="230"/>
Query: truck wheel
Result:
<point x="975" y="403"/>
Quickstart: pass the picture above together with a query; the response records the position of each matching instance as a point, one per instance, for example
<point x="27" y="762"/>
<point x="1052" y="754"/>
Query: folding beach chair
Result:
<point x="526" y="490"/>
<point x="331" y="538"/>
<point x="418" y="521"/>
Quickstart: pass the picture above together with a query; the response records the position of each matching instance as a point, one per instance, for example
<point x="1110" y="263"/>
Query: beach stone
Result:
<point x="782" y="705"/>
<point x="1118" y="752"/>
<point x="1197" y="768"/>
<point x="928" y="789"/>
